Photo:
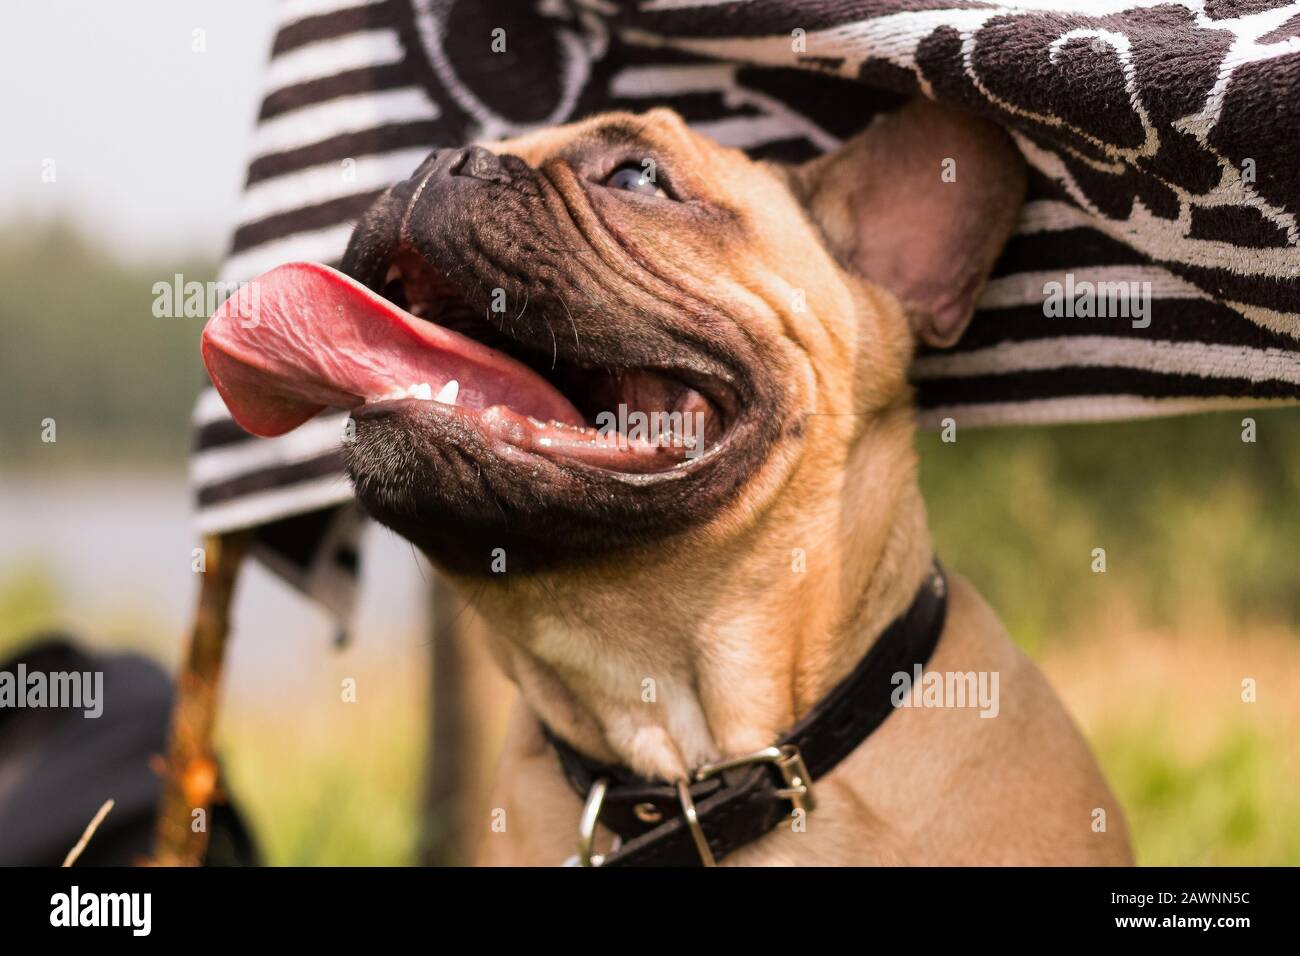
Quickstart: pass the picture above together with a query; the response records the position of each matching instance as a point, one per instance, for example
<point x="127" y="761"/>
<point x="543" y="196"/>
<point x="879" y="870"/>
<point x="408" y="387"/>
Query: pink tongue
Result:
<point x="303" y="337"/>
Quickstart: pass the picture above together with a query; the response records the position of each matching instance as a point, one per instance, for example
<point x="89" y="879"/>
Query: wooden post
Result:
<point x="190" y="776"/>
<point x="469" y="710"/>
<point x="446" y="769"/>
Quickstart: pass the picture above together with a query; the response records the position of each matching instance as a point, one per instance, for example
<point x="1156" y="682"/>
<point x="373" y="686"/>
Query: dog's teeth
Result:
<point x="394" y="275"/>
<point x="447" y="394"/>
<point x="423" y="391"/>
<point x="418" y="310"/>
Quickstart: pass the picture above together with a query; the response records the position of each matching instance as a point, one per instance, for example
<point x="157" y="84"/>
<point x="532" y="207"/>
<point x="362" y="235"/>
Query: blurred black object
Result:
<point x="57" y="767"/>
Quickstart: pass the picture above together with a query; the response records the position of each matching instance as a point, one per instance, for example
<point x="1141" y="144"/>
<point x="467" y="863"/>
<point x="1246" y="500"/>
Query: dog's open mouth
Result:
<point x="304" y="337"/>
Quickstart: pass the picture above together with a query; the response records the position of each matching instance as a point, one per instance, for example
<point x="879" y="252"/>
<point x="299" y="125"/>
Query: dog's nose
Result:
<point x="478" y="163"/>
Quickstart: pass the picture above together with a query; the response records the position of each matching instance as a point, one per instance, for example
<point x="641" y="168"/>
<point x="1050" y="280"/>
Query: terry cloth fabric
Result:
<point x="1160" y="138"/>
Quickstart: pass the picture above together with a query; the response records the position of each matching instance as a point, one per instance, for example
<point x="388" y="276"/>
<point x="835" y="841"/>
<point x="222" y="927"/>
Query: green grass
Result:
<point x="328" y="783"/>
<point x="1205" y="777"/>
<point x="1218" y="809"/>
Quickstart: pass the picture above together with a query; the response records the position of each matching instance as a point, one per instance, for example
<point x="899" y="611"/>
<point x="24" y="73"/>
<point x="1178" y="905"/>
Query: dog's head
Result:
<point x="723" y="325"/>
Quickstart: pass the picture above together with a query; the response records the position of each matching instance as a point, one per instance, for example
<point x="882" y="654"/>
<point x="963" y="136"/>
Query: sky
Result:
<point x="148" y="135"/>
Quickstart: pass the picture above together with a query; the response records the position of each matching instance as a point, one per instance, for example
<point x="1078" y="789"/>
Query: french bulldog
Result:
<point x="740" y="561"/>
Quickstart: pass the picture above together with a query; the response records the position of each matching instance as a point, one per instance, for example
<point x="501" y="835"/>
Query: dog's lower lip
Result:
<point x="560" y="443"/>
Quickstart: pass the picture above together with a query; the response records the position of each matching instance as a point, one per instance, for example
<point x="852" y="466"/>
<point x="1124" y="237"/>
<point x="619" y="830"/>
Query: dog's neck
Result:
<point x="660" y="667"/>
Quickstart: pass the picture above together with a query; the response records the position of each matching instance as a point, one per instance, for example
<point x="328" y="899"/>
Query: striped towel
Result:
<point x="1160" y="138"/>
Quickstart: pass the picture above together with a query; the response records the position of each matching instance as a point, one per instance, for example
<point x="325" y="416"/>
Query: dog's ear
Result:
<point x="921" y="203"/>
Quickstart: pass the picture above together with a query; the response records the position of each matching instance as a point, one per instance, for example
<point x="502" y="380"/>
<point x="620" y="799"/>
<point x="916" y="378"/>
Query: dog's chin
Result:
<point x="480" y="495"/>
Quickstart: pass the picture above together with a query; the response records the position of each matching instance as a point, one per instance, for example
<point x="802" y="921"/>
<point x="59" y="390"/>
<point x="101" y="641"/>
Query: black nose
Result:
<point x="413" y="209"/>
<point x="478" y="163"/>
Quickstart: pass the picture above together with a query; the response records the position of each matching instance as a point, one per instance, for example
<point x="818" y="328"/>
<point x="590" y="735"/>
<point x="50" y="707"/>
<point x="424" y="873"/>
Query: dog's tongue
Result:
<point x="303" y="337"/>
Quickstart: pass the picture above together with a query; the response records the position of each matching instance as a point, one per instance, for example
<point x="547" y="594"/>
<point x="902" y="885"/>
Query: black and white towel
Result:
<point x="1161" y="137"/>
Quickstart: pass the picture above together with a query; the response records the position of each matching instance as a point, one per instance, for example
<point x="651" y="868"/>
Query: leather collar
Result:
<point x="737" y="801"/>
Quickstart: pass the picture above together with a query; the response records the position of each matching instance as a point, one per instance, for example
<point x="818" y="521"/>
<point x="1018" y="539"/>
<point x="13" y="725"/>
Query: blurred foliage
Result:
<point x="81" y="345"/>
<point x="1202" y="538"/>
<point x="1196" y="524"/>
<point x="29" y="602"/>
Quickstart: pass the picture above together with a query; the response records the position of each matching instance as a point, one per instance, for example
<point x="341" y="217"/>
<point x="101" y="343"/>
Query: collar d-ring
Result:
<point x="587" y="823"/>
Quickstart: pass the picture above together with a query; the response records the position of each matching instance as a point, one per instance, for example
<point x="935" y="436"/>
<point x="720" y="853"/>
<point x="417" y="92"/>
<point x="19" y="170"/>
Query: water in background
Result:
<point x="117" y="549"/>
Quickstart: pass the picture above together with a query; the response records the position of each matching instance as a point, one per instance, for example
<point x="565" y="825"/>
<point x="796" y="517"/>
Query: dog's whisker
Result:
<point x="577" y="348"/>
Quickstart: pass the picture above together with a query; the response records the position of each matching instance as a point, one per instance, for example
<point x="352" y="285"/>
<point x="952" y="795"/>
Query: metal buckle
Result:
<point x="693" y="823"/>
<point x="587" y="823"/>
<point x="786" y="758"/>
<point x="788" y="762"/>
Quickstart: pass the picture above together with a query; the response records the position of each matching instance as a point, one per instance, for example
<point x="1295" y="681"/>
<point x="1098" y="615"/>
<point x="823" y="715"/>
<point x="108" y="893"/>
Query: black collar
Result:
<point x="737" y="801"/>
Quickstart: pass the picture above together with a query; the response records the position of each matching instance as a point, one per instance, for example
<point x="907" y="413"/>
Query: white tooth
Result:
<point x="423" y="391"/>
<point x="447" y="394"/>
<point x="394" y="275"/>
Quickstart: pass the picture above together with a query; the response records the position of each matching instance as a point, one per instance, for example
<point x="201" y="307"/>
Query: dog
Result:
<point x="660" y="609"/>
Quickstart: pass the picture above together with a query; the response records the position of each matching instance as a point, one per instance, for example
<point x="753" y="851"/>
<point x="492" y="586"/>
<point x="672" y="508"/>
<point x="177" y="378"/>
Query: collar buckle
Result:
<point x="785" y="758"/>
<point x="693" y="824"/>
<point x="788" y="762"/>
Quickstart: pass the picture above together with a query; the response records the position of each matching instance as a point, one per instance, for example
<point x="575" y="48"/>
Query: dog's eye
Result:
<point x="635" y="178"/>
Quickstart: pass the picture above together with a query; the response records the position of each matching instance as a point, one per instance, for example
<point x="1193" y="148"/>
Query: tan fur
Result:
<point x="738" y="643"/>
